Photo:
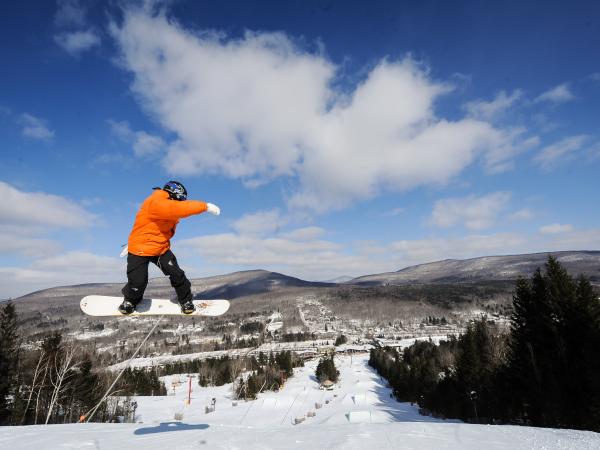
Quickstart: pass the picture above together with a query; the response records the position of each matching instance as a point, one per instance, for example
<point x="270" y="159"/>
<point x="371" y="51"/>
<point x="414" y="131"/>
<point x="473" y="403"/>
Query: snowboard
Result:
<point x="102" y="305"/>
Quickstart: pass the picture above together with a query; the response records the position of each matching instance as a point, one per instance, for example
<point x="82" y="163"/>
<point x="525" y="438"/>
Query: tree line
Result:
<point x="57" y="382"/>
<point x="542" y="372"/>
<point x="267" y="373"/>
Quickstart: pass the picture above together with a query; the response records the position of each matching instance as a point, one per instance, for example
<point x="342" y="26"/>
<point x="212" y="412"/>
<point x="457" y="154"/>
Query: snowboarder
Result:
<point x="149" y="241"/>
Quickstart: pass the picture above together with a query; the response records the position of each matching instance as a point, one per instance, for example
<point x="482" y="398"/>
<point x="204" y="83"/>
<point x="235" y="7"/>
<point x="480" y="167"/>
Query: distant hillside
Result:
<point x="230" y="286"/>
<point x="262" y="284"/>
<point x="489" y="268"/>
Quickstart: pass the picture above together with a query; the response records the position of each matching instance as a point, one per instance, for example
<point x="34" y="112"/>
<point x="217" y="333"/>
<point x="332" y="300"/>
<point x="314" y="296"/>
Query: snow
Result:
<point x="275" y="347"/>
<point x="87" y="335"/>
<point x="407" y="342"/>
<point x="357" y="414"/>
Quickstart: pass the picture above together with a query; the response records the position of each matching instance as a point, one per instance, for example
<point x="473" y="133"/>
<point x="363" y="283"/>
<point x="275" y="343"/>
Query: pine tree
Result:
<point x="553" y="364"/>
<point x="9" y="357"/>
<point x="326" y="370"/>
<point x="86" y="392"/>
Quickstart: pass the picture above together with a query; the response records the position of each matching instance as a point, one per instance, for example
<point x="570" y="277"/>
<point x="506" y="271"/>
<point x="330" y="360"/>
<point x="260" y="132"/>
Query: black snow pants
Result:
<point x="137" y="276"/>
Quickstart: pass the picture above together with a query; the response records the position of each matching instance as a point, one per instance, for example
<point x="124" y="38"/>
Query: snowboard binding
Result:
<point x="127" y="307"/>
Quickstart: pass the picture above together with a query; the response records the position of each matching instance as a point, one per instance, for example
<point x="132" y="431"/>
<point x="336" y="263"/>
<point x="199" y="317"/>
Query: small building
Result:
<point x="326" y="349"/>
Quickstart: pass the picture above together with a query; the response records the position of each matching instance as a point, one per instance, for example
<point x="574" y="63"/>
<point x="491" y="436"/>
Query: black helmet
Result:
<point x="176" y="190"/>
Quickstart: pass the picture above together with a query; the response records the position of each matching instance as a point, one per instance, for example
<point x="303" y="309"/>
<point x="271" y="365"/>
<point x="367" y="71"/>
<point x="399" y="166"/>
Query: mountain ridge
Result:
<point x="257" y="281"/>
<point x="486" y="268"/>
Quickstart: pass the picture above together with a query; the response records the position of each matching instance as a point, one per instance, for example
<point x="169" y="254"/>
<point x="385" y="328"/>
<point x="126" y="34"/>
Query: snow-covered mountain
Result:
<point x="358" y="414"/>
<point x="487" y="268"/>
<point x="230" y="286"/>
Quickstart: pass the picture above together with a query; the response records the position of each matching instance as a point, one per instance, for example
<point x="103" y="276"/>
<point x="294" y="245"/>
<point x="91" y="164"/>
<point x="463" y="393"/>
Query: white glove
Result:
<point x="213" y="209"/>
<point x="124" y="251"/>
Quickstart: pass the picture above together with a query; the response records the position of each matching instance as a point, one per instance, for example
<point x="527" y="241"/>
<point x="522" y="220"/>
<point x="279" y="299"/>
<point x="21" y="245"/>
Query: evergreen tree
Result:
<point x="262" y="359"/>
<point x="326" y="370"/>
<point x="86" y="392"/>
<point x="553" y="364"/>
<point x="340" y="340"/>
<point x="284" y="361"/>
<point x="9" y="357"/>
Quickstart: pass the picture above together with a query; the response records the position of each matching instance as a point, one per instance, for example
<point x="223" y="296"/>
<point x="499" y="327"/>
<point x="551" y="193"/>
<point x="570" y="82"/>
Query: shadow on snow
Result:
<point x="165" y="427"/>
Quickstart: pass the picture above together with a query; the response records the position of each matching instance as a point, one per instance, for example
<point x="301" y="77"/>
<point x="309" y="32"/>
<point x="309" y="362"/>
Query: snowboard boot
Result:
<point x="187" y="307"/>
<point x="127" y="307"/>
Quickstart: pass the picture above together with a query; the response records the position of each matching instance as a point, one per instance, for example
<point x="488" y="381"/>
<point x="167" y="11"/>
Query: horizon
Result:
<point x="306" y="280"/>
<point x="337" y="139"/>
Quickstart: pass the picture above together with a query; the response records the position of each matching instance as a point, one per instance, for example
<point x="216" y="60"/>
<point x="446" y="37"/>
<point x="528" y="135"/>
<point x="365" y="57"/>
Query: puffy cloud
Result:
<point x="260" y="223"/>
<point x="74" y="35"/>
<point x="311" y="258"/>
<point x="260" y="107"/>
<point x="559" y="94"/>
<point x="475" y="213"/>
<point x="552" y="155"/>
<point x="27" y="209"/>
<point x="77" y="42"/>
<point x="35" y="128"/>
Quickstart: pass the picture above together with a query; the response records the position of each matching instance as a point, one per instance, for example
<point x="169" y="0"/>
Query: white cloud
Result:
<point x="70" y="268"/>
<point x="556" y="228"/>
<point x="74" y="35"/>
<point x="513" y="142"/>
<point x="521" y="214"/>
<point x="488" y="110"/>
<point x="558" y="94"/>
<point x="40" y="209"/>
<point x="311" y="258"/>
<point x="77" y="42"/>
<point x="70" y="13"/>
<point x="300" y="253"/>
<point x="316" y="259"/>
<point x="35" y="128"/>
<point x="26" y="245"/>
<point x="260" y="107"/>
<point x="475" y="213"/>
<point x="436" y="249"/>
<point x="304" y="234"/>
<point x="259" y="223"/>
<point x="144" y="144"/>
<point x="121" y="129"/>
<point x="551" y="155"/>
<point x="472" y="246"/>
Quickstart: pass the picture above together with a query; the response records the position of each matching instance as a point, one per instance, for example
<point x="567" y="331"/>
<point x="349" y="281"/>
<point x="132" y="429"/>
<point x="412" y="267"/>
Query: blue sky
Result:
<point x="338" y="138"/>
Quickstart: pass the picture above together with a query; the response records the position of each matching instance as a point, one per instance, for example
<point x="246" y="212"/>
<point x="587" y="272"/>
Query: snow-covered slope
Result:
<point x="486" y="268"/>
<point x="358" y="414"/>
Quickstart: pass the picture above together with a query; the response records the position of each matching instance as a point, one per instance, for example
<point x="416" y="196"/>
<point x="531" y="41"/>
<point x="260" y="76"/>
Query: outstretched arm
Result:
<point x="163" y="208"/>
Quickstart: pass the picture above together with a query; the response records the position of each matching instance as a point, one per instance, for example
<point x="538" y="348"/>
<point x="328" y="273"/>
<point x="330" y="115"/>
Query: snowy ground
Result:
<point x="360" y="415"/>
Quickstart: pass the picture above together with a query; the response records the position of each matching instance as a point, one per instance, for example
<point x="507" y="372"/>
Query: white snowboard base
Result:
<point x="102" y="305"/>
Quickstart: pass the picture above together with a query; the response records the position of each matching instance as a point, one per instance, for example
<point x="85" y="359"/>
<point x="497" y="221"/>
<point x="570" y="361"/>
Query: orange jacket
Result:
<point x="156" y="221"/>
